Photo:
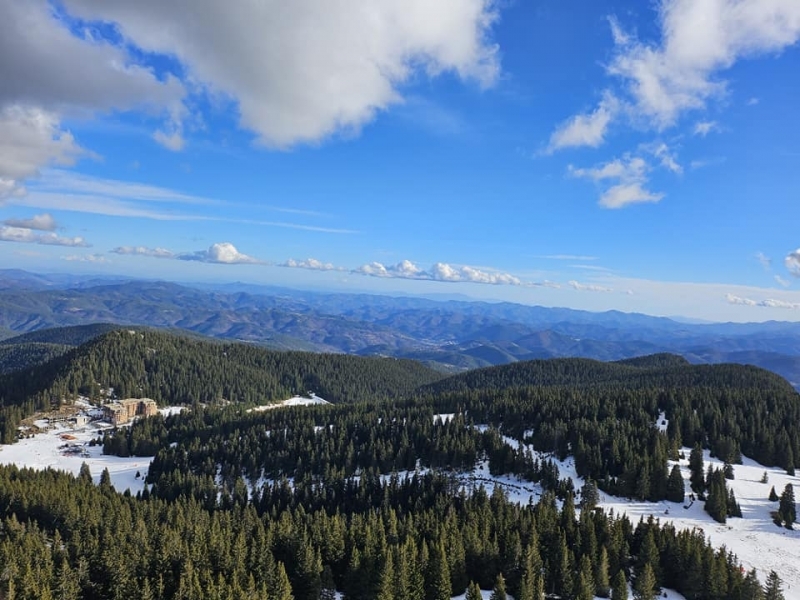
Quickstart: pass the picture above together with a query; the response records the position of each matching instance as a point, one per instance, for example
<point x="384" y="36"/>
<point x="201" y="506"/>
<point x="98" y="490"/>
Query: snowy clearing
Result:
<point x="293" y="401"/>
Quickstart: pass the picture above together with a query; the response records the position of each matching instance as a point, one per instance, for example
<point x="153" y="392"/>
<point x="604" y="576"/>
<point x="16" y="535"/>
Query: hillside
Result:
<point x="661" y="371"/>
<point x="175" y="369"/>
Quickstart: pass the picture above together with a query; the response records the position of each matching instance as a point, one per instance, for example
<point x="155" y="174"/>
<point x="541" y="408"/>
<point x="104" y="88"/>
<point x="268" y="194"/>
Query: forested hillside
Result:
<point x="297" y="502"/>
<point x="412" y="539"/>
<point x="174" y="369"/>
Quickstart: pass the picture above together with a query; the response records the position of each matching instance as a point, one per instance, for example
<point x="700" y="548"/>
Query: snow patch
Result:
<point x="293" y="401"/>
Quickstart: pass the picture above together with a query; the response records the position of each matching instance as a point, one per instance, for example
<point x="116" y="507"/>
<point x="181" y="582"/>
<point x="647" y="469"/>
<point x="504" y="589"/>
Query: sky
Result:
<point x="594" y="154"/>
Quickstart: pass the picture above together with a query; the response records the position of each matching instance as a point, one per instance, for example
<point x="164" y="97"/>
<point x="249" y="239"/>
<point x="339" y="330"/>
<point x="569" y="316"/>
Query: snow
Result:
<point x="755" y="539"/>
<point x="662" y="422"/>
<point x="171" y="410"/>
<point x="47" y="450"/>
<point x="444" y="418"/>
<point x="293" y="401"/>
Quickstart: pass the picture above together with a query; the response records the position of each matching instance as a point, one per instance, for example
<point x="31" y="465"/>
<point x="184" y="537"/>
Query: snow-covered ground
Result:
<point x="444" y="418"/>
<point x="293" y="401"/>
<point x="755" y="539"/>
<point x="47" y="450"/>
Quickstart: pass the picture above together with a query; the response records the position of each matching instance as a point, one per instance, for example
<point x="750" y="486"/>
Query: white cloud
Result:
<point x="765" y="260"/>
<point x="47" y="73"/>
<point x="43" y="222"/>
<point x="703" y="128"/>
<point x="221" y="253"/>
<point x="792" y="262"/>
<point x="782" y="282"/>
<point x="310" y="263"/>
<point x="666" y="157"/>
<point x="90" y="258"/>
<point x="657" y="82"/>
<point x="438" y="272"/>
<point x="586" y="287"/>
<point x="699" y="40"/>
<point x="767" y="303"/>
<point x="144" y="251"/>
<point x="301" y="71"/>
<point x="28" y="236"/>
<point x="30" y="138"/>
<point x="628" y="177"/>
<point x="585" y="129"/>
<point x="753" y="101"/>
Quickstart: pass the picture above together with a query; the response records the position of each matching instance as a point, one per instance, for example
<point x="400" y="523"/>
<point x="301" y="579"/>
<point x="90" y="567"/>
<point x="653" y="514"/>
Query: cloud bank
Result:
<point x="438" y="272"/>
<point x="29" y="236"/>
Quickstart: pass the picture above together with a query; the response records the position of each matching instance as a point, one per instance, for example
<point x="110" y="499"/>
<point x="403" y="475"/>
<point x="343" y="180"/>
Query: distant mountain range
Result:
<point x="451" y="335"/>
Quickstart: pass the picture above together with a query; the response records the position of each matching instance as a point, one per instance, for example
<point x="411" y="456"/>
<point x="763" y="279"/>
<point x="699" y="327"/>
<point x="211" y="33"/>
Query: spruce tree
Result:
<point x="644" y="588"/>
<point x="281" y="589"/>
<point x="619" y="586"/>
<point x="601" y="584"/>
<point x="585" y="587"/>
<point x="751" y="587"/>
<point x="774" y="587"/>
<point x="499" y="590"/>
<point x="473" y="592"/>
<point x="697" y="476"/>
<point x="675" y="486"/>
<point x="787" y="510"/>
<point x="773" y="496"/>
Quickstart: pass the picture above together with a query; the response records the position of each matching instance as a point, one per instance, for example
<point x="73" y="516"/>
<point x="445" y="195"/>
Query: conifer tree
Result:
<point x="773" y="496"/>
<point x="619" y="586"/>
<point x="438" y="584"/>
<point x="601" y="584"/>
<point x="473" y="592"/>
<point x="281" y="589"/>
<point x="787" y="510"/>
<point x="751" y="587"/>
<point x="585" y="587"/>
<point x="499" y="590"/>
<point x="697" y="476"/>
<point x="675" y="485"/>
<point x="773" y="590"/>
<point x="644" y="588"/>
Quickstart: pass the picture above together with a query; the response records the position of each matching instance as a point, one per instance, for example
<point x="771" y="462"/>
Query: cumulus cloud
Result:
<point x="585" y="129"/>
<point x="144" y="251"/>
<point x="301" y="71"/>
<point x="310" y="263"/>
<point x="223" y="253"/>
<point x="623" y="181"/>
<point x="767" y="303"/>
<point x="587" y="287"/>
<point x="792" y="262"/>
<point x="30" y="138"/>
<point x="29" y="236"/>
<point x="43" y="222"/>
<point x="41" y="84"/>
<point x="699" y="40"/>
<point x="438" y="272"/>
<point x="655" y="83"/>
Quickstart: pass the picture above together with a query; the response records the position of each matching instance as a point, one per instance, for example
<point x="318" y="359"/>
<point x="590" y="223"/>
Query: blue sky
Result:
<point x="592" y="154"/>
